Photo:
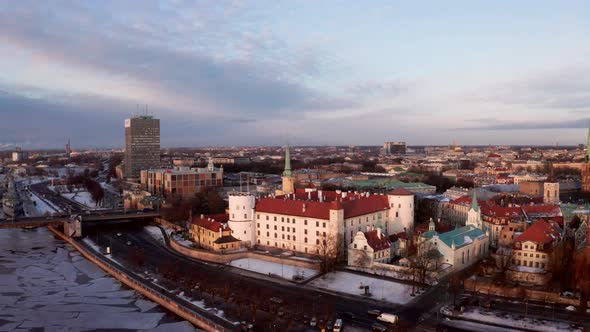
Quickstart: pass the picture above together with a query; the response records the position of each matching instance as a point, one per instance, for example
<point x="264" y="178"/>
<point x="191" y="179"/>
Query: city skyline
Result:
<point x="423" y="73"/>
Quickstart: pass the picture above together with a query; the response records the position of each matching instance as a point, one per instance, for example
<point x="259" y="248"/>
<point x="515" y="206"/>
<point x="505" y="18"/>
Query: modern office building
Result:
<point x="182" y="181"/>
<point x="394" y="147"/>
<point x="142" y="145"/>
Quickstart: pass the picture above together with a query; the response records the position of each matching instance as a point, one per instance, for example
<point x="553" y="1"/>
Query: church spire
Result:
<point x="474" y="204"/>
<point x="588" y="146"/>
<point x="287" y="171"/>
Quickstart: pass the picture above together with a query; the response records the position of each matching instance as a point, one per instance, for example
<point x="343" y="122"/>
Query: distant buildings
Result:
<point x="142" y="145"/>
<point x="212" y="233"/>
<point x="18" y="155"/>
<point x="68" y="149"/>
<point x="586" y="168"/>
<point x="394" y="147"/>
<point x="182" y="181"/>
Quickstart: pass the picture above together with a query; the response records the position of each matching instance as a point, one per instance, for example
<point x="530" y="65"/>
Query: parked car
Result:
<point x="305" y="319"/>
<point x="347" y="315"/>
<point x="330" y="325"/>
<point x="379" y="327"/>
<point x="313" y="322"/>
<point x="246" y="327"/>
<point x="388" y="318"/>
<point x="374" y="312"/>
<point x="128" y="243"/>
<point x="338" y="325"/>
<point x="276" y="300"/>
<point x="280" y="313"/>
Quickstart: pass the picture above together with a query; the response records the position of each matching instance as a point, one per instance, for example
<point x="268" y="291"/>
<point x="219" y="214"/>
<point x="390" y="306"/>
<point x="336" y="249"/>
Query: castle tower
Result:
<point x="474" y="213"/>
<point x="288" y="180"/>
<point x="586" y="167"/>
<point x="401" y="211"/>
<point x="241" y="217"/>
<point x="551" y="192"/>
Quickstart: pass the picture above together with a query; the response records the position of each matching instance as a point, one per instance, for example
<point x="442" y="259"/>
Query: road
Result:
<point x="301" y="300"/>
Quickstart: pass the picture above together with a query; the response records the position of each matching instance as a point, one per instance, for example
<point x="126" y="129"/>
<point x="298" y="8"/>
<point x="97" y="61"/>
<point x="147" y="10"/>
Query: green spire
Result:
<point x="474" y="204"/>
<point x="287" y="171"/>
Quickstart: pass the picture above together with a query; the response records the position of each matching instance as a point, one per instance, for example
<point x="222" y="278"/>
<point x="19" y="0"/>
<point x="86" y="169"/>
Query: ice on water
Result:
<point x="45" y="284"/>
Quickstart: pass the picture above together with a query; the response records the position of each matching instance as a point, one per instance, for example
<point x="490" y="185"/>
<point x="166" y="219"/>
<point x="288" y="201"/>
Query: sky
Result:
<point x="234" y="73"/>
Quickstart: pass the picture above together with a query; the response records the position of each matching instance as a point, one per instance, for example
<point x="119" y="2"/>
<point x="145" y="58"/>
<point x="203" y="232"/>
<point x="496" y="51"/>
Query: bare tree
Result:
<point x="582" y="276"/>
<point x="329" y="251"/>
<point x="427" y="258"/>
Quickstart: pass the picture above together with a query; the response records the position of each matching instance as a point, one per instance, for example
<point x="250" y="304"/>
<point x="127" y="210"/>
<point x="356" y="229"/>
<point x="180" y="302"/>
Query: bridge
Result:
<point x="90" y="218"/>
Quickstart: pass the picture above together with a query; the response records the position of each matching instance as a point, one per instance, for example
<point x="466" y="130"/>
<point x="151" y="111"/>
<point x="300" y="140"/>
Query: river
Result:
<point x="46" y="285"/>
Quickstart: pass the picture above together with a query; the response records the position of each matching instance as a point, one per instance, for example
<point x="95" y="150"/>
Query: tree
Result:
<point x="427" y="258"/>
<point x="582" y="276"/>
<point x="329" y="251"/>
<point x="560" y="263"/>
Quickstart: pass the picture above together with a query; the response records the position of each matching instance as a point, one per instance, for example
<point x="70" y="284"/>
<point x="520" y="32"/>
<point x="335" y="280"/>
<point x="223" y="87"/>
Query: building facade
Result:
<point x="142" y="145"/>
<point x="394" y="147"/>
<point x="182" y="181"/>
<point x="369" y="247"/>
<point x="212" y="233"/>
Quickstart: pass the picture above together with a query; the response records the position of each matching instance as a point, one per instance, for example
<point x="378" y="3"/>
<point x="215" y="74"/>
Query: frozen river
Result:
<point x="45" y="285"/>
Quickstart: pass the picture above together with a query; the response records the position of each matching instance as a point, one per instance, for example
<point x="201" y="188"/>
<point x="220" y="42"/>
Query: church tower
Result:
<point x="288" y="180"/>
<point x="474" y="213"/>
<point x="586" y="167"/>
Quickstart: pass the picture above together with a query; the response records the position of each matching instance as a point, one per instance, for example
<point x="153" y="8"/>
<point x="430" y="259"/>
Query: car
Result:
<point x="347" y="315"/>
<point x="305" y="319"/>
<point x="276" y="300"/>
<point x="374" y="312"/>
<point x="119" y="234"/>
<point x="338" y="325"/>
<point x="330" y="325"/>
<point x="280" y="313"/>
<point x="246" y="327"/>
<point x="321" y="324"/>
<point x="128" y="243"/>
<point x="388" y="318"/>
<point x="313" y="322"/>
<point x="378" y="327"/>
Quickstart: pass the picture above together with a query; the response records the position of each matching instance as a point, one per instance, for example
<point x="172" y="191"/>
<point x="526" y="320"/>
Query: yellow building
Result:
<point x="212" y="233"/>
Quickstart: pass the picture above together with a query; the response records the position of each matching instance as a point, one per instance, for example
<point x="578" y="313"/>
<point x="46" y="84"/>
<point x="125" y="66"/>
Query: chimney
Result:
<point x="304" y="207"/>
<point x="344" y="194"/>
<point x="309" y="195"/>
<point x="320" y="197"/>
<point x="202" y="216"/>
<point x="379" y="233"/>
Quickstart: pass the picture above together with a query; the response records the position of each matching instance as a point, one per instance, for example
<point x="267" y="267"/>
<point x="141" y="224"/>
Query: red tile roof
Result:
<point x="502" y="215"/>
<point x="539" y="232"/>
<point x="212" y="222"/>
<point x="401" y="192"/>
<point x="353" y="206"/>
<point x="378" y="241"/>
<point x="438" y="226"/>
<point x="397" y="236"/>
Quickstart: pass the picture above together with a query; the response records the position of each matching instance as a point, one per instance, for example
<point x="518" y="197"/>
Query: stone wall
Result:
<point x="487" y="287"/>
<point x="158" y="297"/>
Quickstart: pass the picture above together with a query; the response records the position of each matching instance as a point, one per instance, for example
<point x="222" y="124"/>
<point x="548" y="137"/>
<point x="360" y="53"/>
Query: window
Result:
<point x="324" y="234"/>
<point x="396" y="214"/>
<point x="317" y="241"/>
<point x="364" y="247"/>
<point x="317" y="233"/>
<point x="282" y="219"/>
<point x="305" y="231"/>
<point x="258" y="233"/>
<point x="399" y="206"/>
<point x="536" y="264"/>
<point x="275" y="235"/>
<point x="258" y="241"/>
<point x="294" y="238"/>
<point x="275" y="227"/>
<point x="293" y="221"/>
<point x="543" y="256"/>
<point x="305" y="222"/>
<point x="233" y="216"/>
<point x="258" y="225"/>
<point x="324" y="225"/>
<point x="305" y="240"/>
<point x="288" y="220"/>
<point x="275" y="218"/>
<point x="355" y="246"/>
<point x="288" y="229"/>
<point x="283" y="236"/>
<point x="258" y="216"/>
<point x="526" y="246"/>
<point x="245" y="216"/>
<point x="267" y="234"/>
<point x="317" y="224"/>
<point x="537" y="255"/>
<point x="282" y="228"/>
<point x="266" y="217"/>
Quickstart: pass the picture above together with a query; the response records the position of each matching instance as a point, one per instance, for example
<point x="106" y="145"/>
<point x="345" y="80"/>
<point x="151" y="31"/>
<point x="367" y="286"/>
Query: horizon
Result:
<point x="219" y="73"/>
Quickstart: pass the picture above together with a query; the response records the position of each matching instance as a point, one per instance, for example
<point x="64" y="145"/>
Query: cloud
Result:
<point x="564" y="89"/>
<point x="533" y="125"/>
<point x="230" y="86"/>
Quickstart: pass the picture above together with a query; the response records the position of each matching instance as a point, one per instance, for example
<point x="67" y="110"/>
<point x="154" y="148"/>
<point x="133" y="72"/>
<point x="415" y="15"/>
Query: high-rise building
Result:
<point x="68" y="149"/>
<point x="394" y="147"/>
<point x="586" y="168"/>
<point x="142" y="145"/>
<point x="18" y="155"/>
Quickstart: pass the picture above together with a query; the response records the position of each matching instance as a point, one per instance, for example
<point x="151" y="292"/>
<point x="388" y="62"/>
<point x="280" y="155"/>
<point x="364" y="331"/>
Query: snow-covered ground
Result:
<point x="42" y="208"/>
<point x="385" y="290"/>
<point x="486" y="316"/>
<point x="82" y="197"/>
<point x="46" y="285"/>
<point x="281" y="270"/>
<point x="155" y="232"/>
<point x="178" y="238"/>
